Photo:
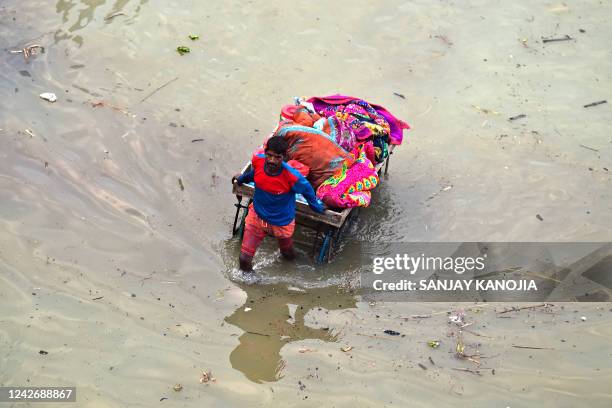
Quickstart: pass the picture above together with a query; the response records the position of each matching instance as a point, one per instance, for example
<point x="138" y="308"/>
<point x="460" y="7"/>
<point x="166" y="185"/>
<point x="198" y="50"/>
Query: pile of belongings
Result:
<point x="336" y="141"/>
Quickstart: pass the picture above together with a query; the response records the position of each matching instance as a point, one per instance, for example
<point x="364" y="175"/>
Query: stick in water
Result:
<point x="595" y="103"/>
<point x="158" y="89"/>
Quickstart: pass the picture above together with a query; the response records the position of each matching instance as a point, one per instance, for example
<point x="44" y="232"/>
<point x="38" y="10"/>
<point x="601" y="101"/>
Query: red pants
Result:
<point x="256" y="229"/>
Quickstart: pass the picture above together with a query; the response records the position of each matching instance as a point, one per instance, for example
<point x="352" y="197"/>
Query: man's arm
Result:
<point x="303" y="187"/>
<point x="244" y="178"/>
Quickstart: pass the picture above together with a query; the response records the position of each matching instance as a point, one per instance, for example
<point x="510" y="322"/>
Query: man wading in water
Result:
<point x="273" y="209"/>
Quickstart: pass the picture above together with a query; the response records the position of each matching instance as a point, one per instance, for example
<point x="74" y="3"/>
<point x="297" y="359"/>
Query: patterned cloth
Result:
<point x="373" y="117"/>
<point x="350" y="187"/>
<point x="353" y="123"/>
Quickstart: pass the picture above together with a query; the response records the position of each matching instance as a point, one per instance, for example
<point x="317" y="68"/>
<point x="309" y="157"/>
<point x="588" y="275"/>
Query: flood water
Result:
<point x="128" y="278"/>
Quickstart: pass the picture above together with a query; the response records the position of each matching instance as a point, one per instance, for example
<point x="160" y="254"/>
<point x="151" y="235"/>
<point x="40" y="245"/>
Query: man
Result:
<point x="273" y="209"/>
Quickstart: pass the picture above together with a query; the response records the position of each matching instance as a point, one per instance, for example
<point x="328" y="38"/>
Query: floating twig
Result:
<point x="180" y="182"/>
<point x="158" y="89"/>
<point x="566" y="38"/>
<point x="259" y="334"/>
<point x="532" y="348"/>
<point x="98" y="298"/>
<point x="422" y="366"/>
<point x="516" y="309"/>
<point x="197" y="140"/>
<point x="99" y="104"/>
<point x="477" y="334"/>
<point x="375" y="336"/>
<point x="485" y="110"/>
<point x="468" y="370"/>
<point x="399" y="94"/>
<point x="521" y="116"/>
<point x="590" y="148"/>
<point x="595" y="103"/>
<point x="113" y="16"/>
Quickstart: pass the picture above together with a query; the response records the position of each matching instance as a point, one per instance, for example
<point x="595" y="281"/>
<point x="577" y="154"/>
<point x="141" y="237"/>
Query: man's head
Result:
<point x="275" y="150"/>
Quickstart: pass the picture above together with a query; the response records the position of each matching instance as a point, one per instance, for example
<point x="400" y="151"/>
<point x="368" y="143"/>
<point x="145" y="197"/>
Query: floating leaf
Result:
<point x="194" y="37"/>
<point x="182" y="49"/>
<point x="434" y="343"/>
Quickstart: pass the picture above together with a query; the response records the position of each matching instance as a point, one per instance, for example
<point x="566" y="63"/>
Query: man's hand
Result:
<point x="235" y="179"/>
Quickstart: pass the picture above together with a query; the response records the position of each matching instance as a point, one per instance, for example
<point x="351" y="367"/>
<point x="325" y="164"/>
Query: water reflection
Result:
<point x="82" y="12"/>
<point x="274" y="316"/>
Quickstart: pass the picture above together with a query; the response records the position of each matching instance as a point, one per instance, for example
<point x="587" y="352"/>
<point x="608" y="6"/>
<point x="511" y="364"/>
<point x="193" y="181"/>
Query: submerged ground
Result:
<point x="122" y="275"/>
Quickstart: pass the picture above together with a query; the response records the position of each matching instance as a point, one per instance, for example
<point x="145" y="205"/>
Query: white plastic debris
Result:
<point x="48" y="96"/>
<point x="458" y="319"/>
<point x="583" y="318"/>
<point x="247" y="309"/>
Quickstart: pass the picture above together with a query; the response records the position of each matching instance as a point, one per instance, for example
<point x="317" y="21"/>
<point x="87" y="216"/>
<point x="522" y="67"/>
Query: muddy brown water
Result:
<point x="128" y="281"/>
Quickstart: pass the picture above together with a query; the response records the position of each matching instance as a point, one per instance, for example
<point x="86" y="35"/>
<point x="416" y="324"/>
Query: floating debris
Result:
<point x="346" y="349"/>
<point x="532" y="348"/>
<point x="29" y="50"/>
<point x="177" y="387"/>
<point x="434" y="344"/>
<point x="589" y="148"/>
<point x="48" y="96"/>
<point x="159" y="88"/>
<point x="110" y="17"/>
<point x="458" y="319"/>
<point x="566" y="38"/>
<point x="595" y="103"/>
<point x="516" y="309"/>
<point x="194" y="37"/>
<point x="399" y="94"/>
<point x="484" y="110"/>
<point x="207" y="377"/>
<point x="521" y="116"/>
<point x="468" y="370"/>
<point x="392" y="332"/>
<point x="182" y="50"/>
